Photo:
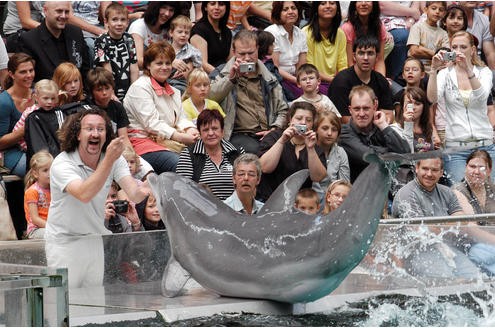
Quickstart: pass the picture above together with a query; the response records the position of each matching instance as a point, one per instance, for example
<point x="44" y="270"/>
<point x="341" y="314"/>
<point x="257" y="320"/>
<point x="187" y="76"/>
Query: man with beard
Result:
<point x="80" y="179"/>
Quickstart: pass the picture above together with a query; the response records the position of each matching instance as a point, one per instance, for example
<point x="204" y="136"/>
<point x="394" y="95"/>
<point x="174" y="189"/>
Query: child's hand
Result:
<point x="179" y="65"/>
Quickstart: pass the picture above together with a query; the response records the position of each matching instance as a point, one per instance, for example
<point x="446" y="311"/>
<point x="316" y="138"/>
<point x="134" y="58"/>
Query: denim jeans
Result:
<point x="455" y="163"/>
<point x="162" y="161"/>
<point x="395" y="60"/>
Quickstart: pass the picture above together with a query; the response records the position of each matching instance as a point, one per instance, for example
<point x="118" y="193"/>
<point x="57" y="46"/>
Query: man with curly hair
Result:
<point x="80" y="178"/>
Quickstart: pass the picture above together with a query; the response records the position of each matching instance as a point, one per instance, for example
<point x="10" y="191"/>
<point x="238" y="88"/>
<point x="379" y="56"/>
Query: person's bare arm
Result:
<point x="135" y="193"/>
<point x="391" y="8"/>
<point x="24" y="12"/>
<point x="286" y="75"/>
<point x="134" y="72"/>
<point x="418" y="51"/>
<point x="489" y="51"/>
<point x="74" y="20"/>
<point x="200" y="43"/>
<point x="257" y="11"/>
<point x="139" y="43"/>
<point x="35" y="217"/>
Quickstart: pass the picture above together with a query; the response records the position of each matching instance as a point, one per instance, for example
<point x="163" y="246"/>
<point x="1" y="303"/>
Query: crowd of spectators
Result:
<point x="183" y="89"/>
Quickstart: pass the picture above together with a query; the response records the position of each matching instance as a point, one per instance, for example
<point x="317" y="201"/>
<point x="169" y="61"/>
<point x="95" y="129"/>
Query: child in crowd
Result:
<point x="120" y="215"/>
<point x="308" y="79"/>
<point x="133" y="161"/>
<point x="266" y="44"/>
<point x="425" y="37"/>
<point x="46" y="97"/>
<point x="336" y="194"/>
<point x="70" y="82"/>
<point x="307" y="201"/>
<point x="455" y="20"/>
<point x="115" y="50"/>
<point x="238" y="18"/>
<point x="149" y="214"/>
<point x="413" y="74"/>
<point x="37" y="195"/>
<point x="194" y="98"/>
<point x="187" y="57"/>
<point x="101" y="85"/>
<point x="328" y="128"/>
<point x="413" y="116"/>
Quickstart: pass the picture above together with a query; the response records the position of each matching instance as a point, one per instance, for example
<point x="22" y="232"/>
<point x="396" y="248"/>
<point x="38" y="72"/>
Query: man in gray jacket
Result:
<point x="250" y="95"/>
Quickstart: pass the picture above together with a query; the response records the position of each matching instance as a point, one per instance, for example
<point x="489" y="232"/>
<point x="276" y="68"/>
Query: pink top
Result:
<point x="350" y="35"/>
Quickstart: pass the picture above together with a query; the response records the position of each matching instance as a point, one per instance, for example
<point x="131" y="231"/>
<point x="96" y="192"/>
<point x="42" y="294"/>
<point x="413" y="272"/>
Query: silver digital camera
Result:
<point x="301" y="128"/>
<point x="449" y="56"/>
<point x="247" y="67"/>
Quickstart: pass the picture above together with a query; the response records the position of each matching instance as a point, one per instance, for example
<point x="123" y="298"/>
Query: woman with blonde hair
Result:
<point x="465" y="86"/>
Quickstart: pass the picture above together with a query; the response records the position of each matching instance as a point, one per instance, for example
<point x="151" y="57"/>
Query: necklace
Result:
<point x="296" y="144"/>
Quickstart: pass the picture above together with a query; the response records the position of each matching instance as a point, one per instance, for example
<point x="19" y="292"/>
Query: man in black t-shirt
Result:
<point x="365" y="49"/>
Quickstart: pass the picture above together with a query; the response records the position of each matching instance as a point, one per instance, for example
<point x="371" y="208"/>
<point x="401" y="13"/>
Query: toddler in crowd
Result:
<point x="328" y="128"/>
<point x="426" y="37"/>
<point x="187" y="57"/>
<point x="115" y="50"/>
<point x="194" y="99"/>
<point x="336" y="194"/>
<point x="308" y="79"/>
<point x="238" y="18"/>
<point x="45" y="97"/>
<point x="37" y="195"/>
<point x="134" y="162"/>
<point x="307" y="201"/>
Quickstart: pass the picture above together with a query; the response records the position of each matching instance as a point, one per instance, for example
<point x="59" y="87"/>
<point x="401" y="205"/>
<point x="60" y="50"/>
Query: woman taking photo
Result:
<point x="326" y="41"/>
<point x="465" y="85"/>
<point x="13" y="102"/>
<point x="284" y="152"/>
<point x="290" y="43"/>
<point x="209" y="161"/>
<point x="158" y="126"/>
<point x="211" y="35"/>
<point x="153" y="27"/>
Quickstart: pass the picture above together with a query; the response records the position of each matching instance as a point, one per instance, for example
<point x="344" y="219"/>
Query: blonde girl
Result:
<point x="46" y="97"/>
<point x="336" y="194"/>
<point x="37" y="195"/>
<point x="194" y="98"/>
<point x="69" y="80"/>
<point x="328" y="127"/>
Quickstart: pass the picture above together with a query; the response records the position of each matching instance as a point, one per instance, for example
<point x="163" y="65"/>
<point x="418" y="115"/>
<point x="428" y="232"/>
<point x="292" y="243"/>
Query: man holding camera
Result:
<point x="250" y="95"/>
<point x="368" y="131"/>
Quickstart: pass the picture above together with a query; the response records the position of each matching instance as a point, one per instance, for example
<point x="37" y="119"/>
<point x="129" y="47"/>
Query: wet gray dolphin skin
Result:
<point x="278" y="254"/>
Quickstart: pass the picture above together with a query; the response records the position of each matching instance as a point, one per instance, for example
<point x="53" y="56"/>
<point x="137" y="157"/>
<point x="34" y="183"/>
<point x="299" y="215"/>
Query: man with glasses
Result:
<point x="246" y="176"/>
<point x="368" y="131"/>
<point x="80" y="179"/>
<point x="365" y="49"/>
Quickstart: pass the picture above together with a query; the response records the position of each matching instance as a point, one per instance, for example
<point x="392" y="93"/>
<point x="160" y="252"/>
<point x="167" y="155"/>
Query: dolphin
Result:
<point x="279" y="254"/>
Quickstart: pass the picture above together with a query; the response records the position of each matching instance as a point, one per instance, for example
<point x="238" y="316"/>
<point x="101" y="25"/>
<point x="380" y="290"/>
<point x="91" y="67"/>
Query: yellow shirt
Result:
<point x="327" y="57"/>
<point x="192" y="112"/>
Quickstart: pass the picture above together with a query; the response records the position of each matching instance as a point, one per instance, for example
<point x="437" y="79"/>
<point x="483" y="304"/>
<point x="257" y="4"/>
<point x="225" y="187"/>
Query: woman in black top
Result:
<point x="211" y="35"/>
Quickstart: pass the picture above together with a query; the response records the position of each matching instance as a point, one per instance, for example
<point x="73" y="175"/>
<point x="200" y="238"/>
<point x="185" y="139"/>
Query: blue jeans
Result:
<point x="395" y="60"/>
<point x="162" y="161"/>
<point x="20" y="168"/>
<point x="455" y="163"/>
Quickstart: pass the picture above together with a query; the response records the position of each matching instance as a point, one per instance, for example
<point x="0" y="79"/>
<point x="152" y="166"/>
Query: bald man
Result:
<point x="54" y="41"/>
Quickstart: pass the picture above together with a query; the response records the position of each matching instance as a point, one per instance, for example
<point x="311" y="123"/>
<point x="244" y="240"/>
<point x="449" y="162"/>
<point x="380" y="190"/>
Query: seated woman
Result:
<point x="13" y="102"/>
<point x="158" y="126"/>
<point x="336" y="193"/>
<point x="210" y="160"/>
<point x="153" y="27"/>
<point x="284" y="152"/>
<point x="291" y="47"/>
<point x="211" y="36"/>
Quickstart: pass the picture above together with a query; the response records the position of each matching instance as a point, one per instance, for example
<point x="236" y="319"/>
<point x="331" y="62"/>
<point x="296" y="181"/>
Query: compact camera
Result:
<point x="120" y="206"/>
<point x="449" y="56"/>
<point x="247" y="67"/>
<point x="301" y="128"/>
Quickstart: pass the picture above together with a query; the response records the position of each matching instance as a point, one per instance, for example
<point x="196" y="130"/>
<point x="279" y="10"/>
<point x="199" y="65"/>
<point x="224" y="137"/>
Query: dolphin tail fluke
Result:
<point x="174" y="278"/>
<point x="408" y="156"/>
<point x="282" y="199"/>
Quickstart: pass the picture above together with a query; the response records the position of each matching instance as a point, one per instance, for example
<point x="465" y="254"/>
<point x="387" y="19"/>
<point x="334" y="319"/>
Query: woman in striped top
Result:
<point x="209" y="161"/>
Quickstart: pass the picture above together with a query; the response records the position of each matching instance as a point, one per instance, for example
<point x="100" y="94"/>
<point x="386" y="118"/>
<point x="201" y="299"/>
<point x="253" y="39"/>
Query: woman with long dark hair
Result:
<point x="326" y="41"/>
<point x="364" y="18"/>
<point x="211" y="35"/>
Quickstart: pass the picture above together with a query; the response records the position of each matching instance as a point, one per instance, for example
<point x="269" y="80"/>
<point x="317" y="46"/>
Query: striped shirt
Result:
<point x="217" y="178"/>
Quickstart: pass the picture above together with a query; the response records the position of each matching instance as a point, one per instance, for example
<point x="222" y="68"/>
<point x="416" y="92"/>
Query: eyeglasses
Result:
<point x="338" y="195"/>
<point x="96" y="129"/>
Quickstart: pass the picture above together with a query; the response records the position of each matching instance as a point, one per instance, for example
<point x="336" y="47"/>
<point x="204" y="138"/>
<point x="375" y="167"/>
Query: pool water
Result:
<point x="470" y="309"/>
